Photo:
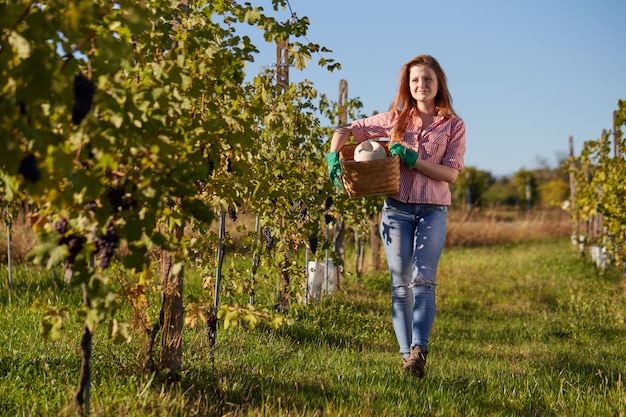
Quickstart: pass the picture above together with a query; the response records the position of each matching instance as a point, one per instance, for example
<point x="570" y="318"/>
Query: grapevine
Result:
<point x="599" y="177"/>
<point x="150" y="137"/>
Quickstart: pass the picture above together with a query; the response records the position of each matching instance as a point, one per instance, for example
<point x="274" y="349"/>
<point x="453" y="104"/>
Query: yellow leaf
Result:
<point x="21" y="45"/>
<point x="194" y="312"/>
<point x="231" y="319"/>
<point x="252" y="321"/>
<point x="119" y="332"/>
<point x="72" y="15"/>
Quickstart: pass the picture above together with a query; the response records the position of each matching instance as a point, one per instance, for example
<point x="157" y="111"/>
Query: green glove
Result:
<point x="334" y="169"/>
<point x="408" y="156"/>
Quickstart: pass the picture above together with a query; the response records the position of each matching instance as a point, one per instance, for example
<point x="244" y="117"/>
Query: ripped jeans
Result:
<point x="413" y="236"/>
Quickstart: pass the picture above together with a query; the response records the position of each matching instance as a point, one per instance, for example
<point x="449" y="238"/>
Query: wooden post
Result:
<point x="357" y="253"/>
<point x="572" y="191"/>
<point x="255" y="257"/>
<point x="172" y="310"/>
<point x="616" y="148"/>
<point x="9" y="276"/>
<point x="617" y="154"/>
<point x="282" y="64"/>
<point x="343" y="102"/>
<point x="375" y="240"/>
<point x="339" y="227"/>
<point x="82" y="396"/>
<point x="218" y="280"/>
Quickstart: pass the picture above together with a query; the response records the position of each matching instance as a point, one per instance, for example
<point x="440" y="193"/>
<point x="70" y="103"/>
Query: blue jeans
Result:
<point x="413" y="236"/>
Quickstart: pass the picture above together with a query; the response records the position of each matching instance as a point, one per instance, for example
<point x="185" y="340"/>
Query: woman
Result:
<point x="429" y="138"/>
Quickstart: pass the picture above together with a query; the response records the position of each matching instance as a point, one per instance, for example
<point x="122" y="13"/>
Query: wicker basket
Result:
<point x="362" y="179"/>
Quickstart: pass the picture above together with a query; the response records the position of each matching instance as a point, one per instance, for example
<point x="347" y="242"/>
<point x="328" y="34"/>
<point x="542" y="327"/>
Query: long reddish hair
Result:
<point x="404" y="102"/>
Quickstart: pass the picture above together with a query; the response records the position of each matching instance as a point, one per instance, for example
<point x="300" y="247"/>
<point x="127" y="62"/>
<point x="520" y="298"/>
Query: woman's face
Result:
<point x="423" y="83"/>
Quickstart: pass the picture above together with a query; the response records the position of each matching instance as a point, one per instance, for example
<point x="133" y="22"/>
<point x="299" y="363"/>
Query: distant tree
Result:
<point x="553" y="193"/>
<point x="526" y="186"/>
<point x="470" y="187"/>
<point x="547" y="187"/>
<point x="501" y="193"/>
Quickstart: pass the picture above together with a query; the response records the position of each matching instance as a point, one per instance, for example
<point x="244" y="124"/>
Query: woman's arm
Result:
<point x="341" y="135"/>
<point x="452" y="160"/>
<point x="437" y="171"/>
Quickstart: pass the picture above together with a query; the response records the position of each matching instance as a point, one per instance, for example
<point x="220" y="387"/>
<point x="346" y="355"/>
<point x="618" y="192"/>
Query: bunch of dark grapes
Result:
<point x="105" y="246"/>
<point x="24" y="111"/>
<point x="60" y="225"/>
<point x="84" y="90"/>
<point x="29" y="168"/>
<point x="302" y="211"/>
<point x="328" y="218"/>
<point x="116" y="197"/>
<point x="74" y="244"/>
<point x="313" y="243"/>
<point x="232" y="213"/>
<point x="329" y="203"/>
<point x="118" y="200"/>
<point x="302" y="214"/>
<point x="269" y="239"/>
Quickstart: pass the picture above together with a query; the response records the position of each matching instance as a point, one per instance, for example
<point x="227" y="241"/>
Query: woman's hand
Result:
<point x="334" y="169"/>
<point x="408" y="156"/>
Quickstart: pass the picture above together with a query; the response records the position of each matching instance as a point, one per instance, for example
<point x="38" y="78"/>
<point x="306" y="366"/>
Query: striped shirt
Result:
<point x="442" y="142"/>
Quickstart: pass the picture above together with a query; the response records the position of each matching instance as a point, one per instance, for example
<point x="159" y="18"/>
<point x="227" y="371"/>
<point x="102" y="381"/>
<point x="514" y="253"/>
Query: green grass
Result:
<point x="525" y="329"/>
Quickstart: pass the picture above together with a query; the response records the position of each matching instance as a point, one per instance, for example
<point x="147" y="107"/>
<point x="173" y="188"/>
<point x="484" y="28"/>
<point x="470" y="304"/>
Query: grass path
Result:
<point x="525" y="329"/>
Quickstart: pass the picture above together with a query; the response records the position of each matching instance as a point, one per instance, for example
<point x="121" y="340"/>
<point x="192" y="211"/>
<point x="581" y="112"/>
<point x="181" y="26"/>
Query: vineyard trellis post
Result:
<point x="572" y="187"/>
<point x="468" y="195"/>
<point x="172" y="308"/>
<point x="375" y="240"/>
<point x="82" y="395"/>
<point x="255" y="256"/>
<point x="306" y="277"/>
<point x="357" y="253"/>
<point x="218" y="279"/>
<point x="9" y="272"/>
<point x="359" y="250"/>
<point x="282" y="64"/>
<point x="339" y="226"/>
<point x="326" y="256"/>
<point x="617" y="154"/>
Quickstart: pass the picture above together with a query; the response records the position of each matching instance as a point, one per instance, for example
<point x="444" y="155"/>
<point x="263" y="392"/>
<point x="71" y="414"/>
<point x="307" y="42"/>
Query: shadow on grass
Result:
<point x="25" y="288"/>
<point x="591" y="372"/>
<point x="239" y="389"/>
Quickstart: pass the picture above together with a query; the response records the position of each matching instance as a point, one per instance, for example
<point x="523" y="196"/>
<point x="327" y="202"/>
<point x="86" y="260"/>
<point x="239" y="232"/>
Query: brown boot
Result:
<point x="416" y="362"/>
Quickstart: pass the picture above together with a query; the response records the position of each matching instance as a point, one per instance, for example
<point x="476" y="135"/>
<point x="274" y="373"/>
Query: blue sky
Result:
<point x="524" y="75"/>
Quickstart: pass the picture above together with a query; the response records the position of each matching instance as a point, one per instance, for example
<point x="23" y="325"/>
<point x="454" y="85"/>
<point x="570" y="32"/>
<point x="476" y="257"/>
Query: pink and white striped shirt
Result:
<point x="442" y="142"/>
